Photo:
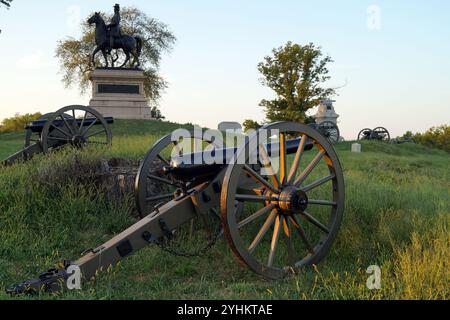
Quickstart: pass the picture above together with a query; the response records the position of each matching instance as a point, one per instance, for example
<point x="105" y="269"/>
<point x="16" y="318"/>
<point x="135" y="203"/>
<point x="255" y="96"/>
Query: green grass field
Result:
<point x="397" y="217"/>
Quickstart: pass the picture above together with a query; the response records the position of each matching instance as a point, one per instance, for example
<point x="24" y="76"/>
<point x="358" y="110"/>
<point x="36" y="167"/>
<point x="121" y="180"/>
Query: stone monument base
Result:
<point x="119" y="93"/>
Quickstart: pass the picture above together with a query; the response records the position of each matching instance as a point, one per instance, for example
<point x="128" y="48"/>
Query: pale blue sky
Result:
<point x="397" y="75"/>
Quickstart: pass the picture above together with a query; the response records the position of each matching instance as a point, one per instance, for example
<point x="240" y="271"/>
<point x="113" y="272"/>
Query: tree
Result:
<point x="250" y="125"/>
<point x="296" y="74"/>
<point x="74" y="54"/>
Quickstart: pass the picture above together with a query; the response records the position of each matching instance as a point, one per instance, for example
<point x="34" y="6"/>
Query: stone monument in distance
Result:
<point x="326" y="112"/>
<point x="117" y="91"/>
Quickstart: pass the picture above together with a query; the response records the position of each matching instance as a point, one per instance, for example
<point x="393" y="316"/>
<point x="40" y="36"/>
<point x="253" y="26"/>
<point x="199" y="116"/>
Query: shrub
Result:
<point x="18" y="122"/>
<point x="437" y="137"/>
<point x="250" y="124"/>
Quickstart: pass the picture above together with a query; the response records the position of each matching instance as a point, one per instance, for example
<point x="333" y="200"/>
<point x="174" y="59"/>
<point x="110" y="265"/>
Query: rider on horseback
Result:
<point x="114" y="27"/>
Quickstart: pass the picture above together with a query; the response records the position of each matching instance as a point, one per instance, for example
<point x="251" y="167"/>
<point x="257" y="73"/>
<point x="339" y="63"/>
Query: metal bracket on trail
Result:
<point x="49" y="281"/>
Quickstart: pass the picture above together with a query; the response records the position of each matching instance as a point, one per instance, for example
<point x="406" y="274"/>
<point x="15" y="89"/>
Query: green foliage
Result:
<point x="18" y="122"/>
<point x="74" y="54"/>
<point x="396" y="216"/>
<point x="250" y="124"/>
<point x="156" y="113"/>
<point x="296" y="74"/>
<point x="436" y="137"/>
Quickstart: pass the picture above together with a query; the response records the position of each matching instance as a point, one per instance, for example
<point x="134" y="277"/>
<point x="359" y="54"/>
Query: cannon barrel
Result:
<point x="38" y="125"/>
<point x="193" y="165"/>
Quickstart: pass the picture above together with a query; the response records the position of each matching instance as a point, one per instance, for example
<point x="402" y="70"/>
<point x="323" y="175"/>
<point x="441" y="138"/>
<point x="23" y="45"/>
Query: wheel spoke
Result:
<point x="163" y="160"/>
<point x="275" y="237"/>
<point x="298" y="156"/>
<point x="57" y="139"/>
<point x="315" y="222"/>
<point x="67" y="124"/>
<point x="292" y="256"/>
<point x="269" y="221"/>
<point x="95" y="133"/>
<point x="322" y="202"/>
<point x="74" y="120"/>
<point x="160" y="197"/>
<point x="283" y="160"/>
<point x="256" y="215"/>
<point x="268" y="165"/>
<point x="62" y="131"/>
<point x="166" y="181"/>
<point x="82" y="121"/>
<point x="317" y="183"/>
<point x="310" y="168"/>
<point x="252" y="198"/>
<point x="302" y="234"/>
<point x="94" y="121"/>
<point x="259" y="178"/>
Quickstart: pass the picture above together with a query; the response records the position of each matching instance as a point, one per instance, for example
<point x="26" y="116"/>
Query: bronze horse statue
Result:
<point x="129" y="44"/>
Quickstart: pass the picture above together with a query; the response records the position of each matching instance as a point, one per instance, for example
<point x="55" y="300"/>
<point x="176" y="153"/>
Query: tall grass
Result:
<point x="396" y="217"/>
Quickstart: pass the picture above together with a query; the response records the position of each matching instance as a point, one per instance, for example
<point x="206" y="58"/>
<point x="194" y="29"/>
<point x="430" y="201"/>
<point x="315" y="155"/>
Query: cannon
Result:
<point x="72" y="125"/>
<point x="379" y="134"/>
<point x="328" y="129"/>
<point x="277" y="199"/>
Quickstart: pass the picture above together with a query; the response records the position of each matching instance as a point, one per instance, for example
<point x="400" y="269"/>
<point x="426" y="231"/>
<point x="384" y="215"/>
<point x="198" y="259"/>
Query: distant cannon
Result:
<point x="329" y="130"/>
<point x="75" y="125"/>
<point x="379" y="134"/>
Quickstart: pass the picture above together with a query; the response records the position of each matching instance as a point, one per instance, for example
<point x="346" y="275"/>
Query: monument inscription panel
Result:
<point x="118" y="88"/>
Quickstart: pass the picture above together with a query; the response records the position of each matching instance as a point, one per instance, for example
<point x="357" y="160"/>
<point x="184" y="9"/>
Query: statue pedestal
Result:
<point x="119" y="93"/>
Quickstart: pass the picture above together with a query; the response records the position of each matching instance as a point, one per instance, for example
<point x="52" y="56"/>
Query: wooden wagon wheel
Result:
<point x="35" y="137"/>
<point x="365" y="134"/>
<point x="330" y="131"/>
<point x="304" y="202"/>
<point x="381" y="134"/>
<point x="75" y="125"/>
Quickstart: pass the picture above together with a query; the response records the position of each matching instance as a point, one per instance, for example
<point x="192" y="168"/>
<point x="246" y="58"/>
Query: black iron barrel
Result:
<point x="38" y="125"/>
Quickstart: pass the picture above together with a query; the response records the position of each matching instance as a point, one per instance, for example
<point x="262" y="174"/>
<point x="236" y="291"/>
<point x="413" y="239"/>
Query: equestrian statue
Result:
<point x="109" y="37"/>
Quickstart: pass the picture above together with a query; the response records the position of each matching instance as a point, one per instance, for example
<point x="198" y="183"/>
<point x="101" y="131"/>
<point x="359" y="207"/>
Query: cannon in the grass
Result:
<point x="329" y="130"/>
<point x="73" y="125"/>
<point x="379" y="134"/>
<point x="278" y="201"/>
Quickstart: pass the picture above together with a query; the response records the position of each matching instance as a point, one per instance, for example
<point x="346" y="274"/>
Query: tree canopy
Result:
<point x="297" y="75"/>
<point x="74" y="54"/>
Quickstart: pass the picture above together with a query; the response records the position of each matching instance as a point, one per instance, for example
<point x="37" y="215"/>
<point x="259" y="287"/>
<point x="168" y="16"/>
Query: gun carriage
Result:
<point x="379" y="134"/>
<point x="72" y="125"/>
<point x="278" y="202"/>
<point x="329" y="130"/>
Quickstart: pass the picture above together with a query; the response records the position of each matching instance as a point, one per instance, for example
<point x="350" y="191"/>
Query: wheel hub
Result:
<point x="78" y="140"/>
<point x="291" y="200"/>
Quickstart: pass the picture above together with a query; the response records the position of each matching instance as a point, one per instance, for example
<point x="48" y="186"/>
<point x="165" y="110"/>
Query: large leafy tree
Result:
<point x="74" y="54"/>
<point x="297" y="74"/>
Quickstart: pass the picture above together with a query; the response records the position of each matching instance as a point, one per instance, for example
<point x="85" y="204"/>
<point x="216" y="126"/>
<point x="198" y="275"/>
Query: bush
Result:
<point x="18" y="122"/>
<point x="250" y="124"/>
<point x="436" y="137"/>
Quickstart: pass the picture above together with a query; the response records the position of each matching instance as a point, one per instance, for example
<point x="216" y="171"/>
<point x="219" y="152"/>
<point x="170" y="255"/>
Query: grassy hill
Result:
<point x="397" y="216"/>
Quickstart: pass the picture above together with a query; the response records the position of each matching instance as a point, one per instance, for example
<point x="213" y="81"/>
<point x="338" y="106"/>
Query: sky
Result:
<point x="391" y="58"/>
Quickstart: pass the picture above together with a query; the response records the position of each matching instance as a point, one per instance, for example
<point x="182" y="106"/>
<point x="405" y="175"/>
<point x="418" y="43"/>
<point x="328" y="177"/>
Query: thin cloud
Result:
<point x="35" y="60"/>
